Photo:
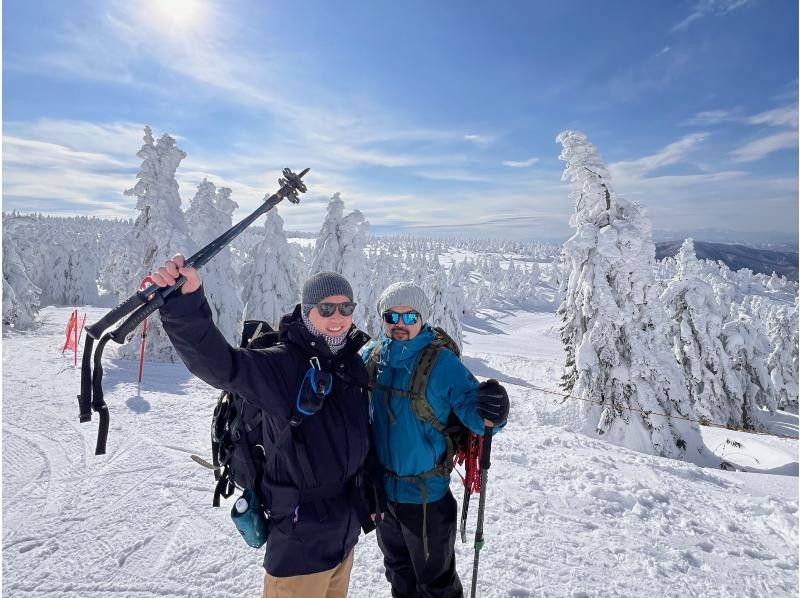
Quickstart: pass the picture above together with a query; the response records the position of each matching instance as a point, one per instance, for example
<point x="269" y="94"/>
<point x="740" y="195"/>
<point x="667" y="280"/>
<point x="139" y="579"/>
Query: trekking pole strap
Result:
<point x="98" y="403"/>
<point x="85" y="398"/>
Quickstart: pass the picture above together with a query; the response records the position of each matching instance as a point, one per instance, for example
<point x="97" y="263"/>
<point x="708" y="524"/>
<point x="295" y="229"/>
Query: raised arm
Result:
<point x="256" y="375"/>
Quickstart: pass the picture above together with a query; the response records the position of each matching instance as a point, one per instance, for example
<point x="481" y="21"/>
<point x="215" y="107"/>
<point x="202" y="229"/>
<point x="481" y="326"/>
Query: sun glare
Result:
<point x="179" y="14"/>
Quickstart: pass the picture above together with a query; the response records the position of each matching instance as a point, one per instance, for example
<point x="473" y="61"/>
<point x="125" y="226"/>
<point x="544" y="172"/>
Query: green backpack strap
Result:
<point x="419" y="385"/>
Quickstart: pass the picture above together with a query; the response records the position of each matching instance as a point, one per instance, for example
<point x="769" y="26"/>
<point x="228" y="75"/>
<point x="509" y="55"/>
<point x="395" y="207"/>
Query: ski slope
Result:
<point x="567" y="515"/>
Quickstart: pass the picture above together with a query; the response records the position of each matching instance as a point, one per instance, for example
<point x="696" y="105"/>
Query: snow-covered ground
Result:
<point x="567" y="515"/>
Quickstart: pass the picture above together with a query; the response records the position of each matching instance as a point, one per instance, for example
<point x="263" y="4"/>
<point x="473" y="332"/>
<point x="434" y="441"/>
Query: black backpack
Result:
<point x="237" y="432"/>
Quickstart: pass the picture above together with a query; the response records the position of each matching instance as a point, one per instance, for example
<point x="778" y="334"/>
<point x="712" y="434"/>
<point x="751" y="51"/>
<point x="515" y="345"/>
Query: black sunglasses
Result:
<point x="326" y="310"/>
<point x="409" y="318"/>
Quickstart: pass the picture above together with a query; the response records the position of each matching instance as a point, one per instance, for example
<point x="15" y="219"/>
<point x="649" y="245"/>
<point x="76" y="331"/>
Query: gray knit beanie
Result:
<point x="405" y="293"/>
<point x="324" y="284"/>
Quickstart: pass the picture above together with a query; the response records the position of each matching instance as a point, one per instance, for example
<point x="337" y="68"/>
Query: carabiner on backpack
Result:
<point x="316" y="385"/>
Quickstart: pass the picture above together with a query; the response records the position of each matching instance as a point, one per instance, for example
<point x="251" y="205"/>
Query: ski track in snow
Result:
<point x="567" y="515"/>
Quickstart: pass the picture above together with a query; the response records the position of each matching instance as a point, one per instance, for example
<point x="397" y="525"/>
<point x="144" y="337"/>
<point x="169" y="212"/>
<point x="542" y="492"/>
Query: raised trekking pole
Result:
<point x="485" y="462"/>
<point x="148" y="300"/>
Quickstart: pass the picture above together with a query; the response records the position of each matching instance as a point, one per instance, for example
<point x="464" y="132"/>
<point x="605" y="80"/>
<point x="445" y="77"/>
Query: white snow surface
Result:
<point x="566" y="515"/>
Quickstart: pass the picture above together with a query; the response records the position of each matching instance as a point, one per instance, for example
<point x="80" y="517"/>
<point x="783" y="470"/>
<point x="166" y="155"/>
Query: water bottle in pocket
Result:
<point x="249" y="518"/>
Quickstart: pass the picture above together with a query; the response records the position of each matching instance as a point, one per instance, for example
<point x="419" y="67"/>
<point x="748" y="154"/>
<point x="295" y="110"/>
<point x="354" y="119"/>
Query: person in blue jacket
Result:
<point x="417" y="530"/>
<point x="313" y="496"/>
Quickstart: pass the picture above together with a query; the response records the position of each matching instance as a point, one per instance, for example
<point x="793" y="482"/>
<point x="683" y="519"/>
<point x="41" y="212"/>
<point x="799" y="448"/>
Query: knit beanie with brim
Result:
<point x="408" y="294"/>
<point x="321" y="285"/>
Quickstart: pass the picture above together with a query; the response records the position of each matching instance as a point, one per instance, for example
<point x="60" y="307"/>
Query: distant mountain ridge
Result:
<point x="736" y="257"/>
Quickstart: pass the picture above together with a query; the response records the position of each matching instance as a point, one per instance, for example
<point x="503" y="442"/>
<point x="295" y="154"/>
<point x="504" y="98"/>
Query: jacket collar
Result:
<point x="293" y="330"/>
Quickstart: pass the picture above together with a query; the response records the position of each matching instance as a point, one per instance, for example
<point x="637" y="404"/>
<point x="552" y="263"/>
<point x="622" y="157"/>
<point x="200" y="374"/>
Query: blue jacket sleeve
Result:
<point x="462" y="390"/>
<point x="254" y="374"/>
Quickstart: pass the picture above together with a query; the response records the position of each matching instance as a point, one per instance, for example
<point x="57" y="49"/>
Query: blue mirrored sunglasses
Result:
<point x="409" y="318"/>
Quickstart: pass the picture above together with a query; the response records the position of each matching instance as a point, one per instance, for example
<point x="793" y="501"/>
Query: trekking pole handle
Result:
<point x="487" y="444"/>
<point x="139" y="316"/>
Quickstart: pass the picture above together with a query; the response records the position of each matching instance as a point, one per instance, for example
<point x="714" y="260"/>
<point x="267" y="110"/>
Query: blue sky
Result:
<point x="429" y="117"/>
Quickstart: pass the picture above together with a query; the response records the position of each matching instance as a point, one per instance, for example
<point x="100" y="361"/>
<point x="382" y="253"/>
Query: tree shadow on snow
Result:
<point x="479" y="368"/>
<point x="782" y="423"/>
<point x="480" y="326"/>
<point x="790" y="469"/>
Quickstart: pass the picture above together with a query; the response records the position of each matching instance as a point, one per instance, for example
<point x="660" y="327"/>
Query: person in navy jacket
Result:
<point x="417" y="531"/>
<point x="309" y="547"/>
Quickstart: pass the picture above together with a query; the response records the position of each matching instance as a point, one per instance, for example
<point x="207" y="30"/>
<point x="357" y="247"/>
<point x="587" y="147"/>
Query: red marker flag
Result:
<point x="71" y="341"/>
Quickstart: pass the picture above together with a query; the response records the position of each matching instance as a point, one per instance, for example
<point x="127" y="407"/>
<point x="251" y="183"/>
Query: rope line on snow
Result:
<point x="566" y="396"/>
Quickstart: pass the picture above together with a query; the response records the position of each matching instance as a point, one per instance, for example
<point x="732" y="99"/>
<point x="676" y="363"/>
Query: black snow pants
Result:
<point x="400" y="540"/>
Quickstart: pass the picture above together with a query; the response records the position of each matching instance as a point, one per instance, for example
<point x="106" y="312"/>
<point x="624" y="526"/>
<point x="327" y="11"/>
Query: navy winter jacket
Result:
<point x="336" y="437"/>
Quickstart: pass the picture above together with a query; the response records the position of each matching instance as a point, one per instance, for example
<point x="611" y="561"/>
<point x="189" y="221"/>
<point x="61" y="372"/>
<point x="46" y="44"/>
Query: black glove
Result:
<point x="492" y="401"/>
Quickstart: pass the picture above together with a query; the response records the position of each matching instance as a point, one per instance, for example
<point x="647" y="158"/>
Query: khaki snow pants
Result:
<point x="325" y="584"/>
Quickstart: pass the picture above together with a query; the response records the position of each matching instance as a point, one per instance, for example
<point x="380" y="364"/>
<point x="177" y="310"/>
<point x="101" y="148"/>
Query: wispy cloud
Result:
<point x="761" y="148"/>
<point x="481" y="140"/>
<point x="40" y="154"/>
<point x="783" y="116"/>
<point x="453" y="175"/>
<point x="712" y="117"/>
<point x="672" y="154"/>
<point x="522" y="164"/>
<point x="709" y="8"/>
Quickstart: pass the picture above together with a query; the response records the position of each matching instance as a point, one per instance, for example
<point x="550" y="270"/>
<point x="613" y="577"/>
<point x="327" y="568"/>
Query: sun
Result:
<point x="179" y="14"/>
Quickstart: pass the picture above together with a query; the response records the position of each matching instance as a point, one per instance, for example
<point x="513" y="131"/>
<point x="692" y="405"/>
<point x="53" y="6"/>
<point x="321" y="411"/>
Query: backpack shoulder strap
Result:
<point x="372" y="361"/>
<point x="419" y="384"/>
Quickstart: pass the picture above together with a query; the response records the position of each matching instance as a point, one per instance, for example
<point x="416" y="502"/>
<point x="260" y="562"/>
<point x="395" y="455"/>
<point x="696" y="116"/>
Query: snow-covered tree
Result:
<point x="614" y="328"/>
<point x="20" y="295"/>
<point x="749" y="349"/>
<point x="352" y="235"/>
<point x="341" y="247"/>
<point x="70" y="277"/>
<point x="207" y="221"/>
<point x="327" y="251"/>
<point x="159" y="233"/>
<point x="697" y="320"/>
<point x="782" y="362"/>
<point x="270" y="278"/>
<point x="447" y="303"/>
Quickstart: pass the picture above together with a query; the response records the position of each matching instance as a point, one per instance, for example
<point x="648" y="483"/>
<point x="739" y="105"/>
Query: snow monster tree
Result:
<point x="613" y="326"/>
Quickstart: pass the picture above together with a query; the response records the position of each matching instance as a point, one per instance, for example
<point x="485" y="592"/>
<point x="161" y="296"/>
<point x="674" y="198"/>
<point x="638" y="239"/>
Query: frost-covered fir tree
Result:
<point x="782" y="362"/>
<point x="270" y="278"/>
<point x="749" y="349"/>
<point x="340" y="247"/>
<point x="447" y="302"/>
<point x="697" y="318"/>
<point x="614" y="328"/>
<point x="206" y="221"/>
<point x="327" y="251"/>
<point x="20" y="295"/>
<point x="352" y="234"/>
<point x="159" y="233"/>
<point x="70" y="277"/>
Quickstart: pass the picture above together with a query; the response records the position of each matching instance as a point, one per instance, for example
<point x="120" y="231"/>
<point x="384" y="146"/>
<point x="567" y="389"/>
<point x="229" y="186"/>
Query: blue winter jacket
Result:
<point x="408" y="446"/>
